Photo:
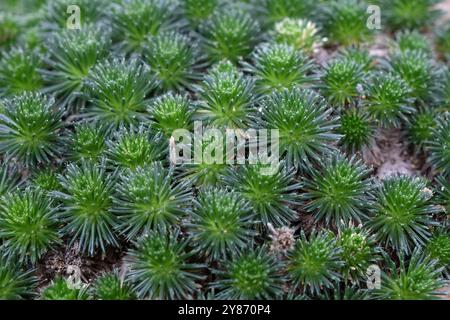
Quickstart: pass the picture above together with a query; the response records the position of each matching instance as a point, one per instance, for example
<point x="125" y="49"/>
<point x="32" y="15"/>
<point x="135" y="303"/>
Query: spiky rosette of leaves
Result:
<point x="30" y="35"/>
<point x="357" y="129"/>
<point x="30" y="128"/>
<point x="411" y="40"/>
<point x="135" y="147"/>
<point x="292" y="295"/>
<point x="417" y="71"/>
<point x="304" y="122"/>
<point x="71" y="55"/>
<point x="111" y="286"/>
<point x="251" y="274"/>
<point x="279" y="66"/>
<point x="9" y="29"/>
<point x="19" y="71"/>
<point x="150" y="198"/>
<point x="443" y="192"/>
<point x="57" y="12"/>
<point x="299" y="33"/>
<point x="388" y="99"/>
<point x="9" y="179"/>
<point x="439" y="145"/>
<point x="229" y="34"/>
<point x="174" y="59"/>
<point x="87" y="205"/>
<point x="12" y="5"/>
<point x="135" y="20"/>
<point x="443" y="41"/>
<point x="198" y="11"/>
<point x="270" y="195"/>
<point x="226" y="96"/>
<point x="160" y="267"/>
<point x="359" y="251"/>
<point x="46" y="179"/>
<point x="345" y="22"/>
<point x="61" y="289"/>
<point x="21" y="5"/>
<point x="15" y="283"/>
<point x="314" y="262"/>
<point x="416" y="279"/>
<point x="221" y="223"/>
<point x="420" y="127"/>
<point x="341" y="80"/>
<point x="438" y="248"/>
<point x="277" y="10"/>
<point x="346" y="293"/>
<point x="119" y="90"/>
<point x="170" y="112"/>
<point x="401" y="213"/>
<point x="337" y="191"/>
<point x="88" y="142"/>
<point x="409" y="14"/>
<point x="28" y="224"/>
<point x="359" y="55"/>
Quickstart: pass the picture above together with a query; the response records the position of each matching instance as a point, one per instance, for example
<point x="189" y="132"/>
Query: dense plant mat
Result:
<point x="93" y="207"/>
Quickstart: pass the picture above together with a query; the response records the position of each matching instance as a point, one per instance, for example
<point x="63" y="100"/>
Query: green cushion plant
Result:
<point x="213" y="149"/>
